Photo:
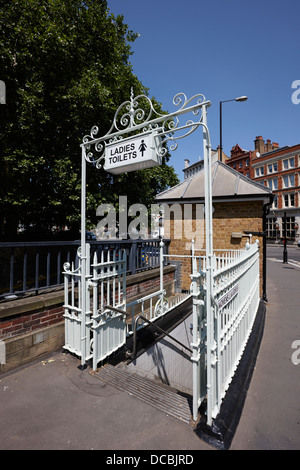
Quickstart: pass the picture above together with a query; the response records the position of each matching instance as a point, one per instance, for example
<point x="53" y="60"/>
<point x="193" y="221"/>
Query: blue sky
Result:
<point x="222" y="49"/>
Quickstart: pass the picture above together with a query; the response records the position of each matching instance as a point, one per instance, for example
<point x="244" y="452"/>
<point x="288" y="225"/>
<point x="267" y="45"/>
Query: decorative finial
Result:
<point x="131" y="111"/>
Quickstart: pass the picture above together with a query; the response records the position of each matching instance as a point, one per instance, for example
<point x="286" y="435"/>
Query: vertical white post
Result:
<point x="95" y="312"/>
<point x="209" y="270"/>
<point x="83" y="257"/>
<point x="195" y="344"/>
<point x="161" y="266"/>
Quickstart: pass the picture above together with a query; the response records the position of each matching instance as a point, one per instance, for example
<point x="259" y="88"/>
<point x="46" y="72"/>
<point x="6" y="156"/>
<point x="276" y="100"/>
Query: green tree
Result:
<point x="66" y="67"/>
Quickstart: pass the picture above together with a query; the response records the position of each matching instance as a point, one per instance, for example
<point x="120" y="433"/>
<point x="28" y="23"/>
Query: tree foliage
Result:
<point x="66" y="67"/>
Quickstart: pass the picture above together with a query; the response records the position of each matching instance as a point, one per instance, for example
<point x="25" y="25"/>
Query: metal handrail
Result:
<point x="118" y="310"/>
<point x="130" y="354"/>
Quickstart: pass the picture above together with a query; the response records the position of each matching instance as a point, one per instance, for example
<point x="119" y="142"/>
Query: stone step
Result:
<point x="156" y="394"/>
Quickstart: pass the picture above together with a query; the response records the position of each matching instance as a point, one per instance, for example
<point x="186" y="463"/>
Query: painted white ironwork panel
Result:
<point x="109" y="290"/>
<point x="109" y="334"/>
<point x="76" y="332"/>
<point x="234" y="300"/>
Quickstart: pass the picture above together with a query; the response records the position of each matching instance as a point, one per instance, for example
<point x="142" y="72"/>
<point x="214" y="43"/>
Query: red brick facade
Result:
<point x="277" y="168"/>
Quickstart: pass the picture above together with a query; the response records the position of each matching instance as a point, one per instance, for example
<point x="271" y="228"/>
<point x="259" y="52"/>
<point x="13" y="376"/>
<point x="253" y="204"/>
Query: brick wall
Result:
<point x="15" y="326"/>
<point x="30" y="314"/>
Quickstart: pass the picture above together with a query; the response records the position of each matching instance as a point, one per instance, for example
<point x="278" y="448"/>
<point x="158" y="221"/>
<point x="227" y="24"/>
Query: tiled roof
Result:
<point x="226" y="183"/>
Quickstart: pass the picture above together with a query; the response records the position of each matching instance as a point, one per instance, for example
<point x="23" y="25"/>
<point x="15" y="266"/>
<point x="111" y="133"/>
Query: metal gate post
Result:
<point x="161" y="271"/>
<point x="196" y="335"/>
<point x="83" y="259"/>
<point x="209" y="267"/>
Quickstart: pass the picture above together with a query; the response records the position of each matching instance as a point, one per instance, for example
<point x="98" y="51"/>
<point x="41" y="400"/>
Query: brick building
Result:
<point x="241" y="160"/>
<point x="277" y="168"/>
<point x="238" y="205"/>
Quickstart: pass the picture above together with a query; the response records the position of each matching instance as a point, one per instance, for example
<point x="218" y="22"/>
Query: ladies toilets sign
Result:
<point x="134" y="153"/>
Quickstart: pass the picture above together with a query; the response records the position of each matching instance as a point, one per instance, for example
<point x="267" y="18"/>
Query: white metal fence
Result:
<point x="220" y="333"/>
<point x="95" y="326"/>
<point x="109" y="289"/>
<point x="99" y="331"/>
<point x="77" y="326"/>
<point x="217" y="350"/>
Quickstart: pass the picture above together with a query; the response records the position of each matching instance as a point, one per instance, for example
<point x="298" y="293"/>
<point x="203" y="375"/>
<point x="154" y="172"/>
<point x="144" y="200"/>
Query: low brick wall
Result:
<point x="34" y="326"/>
<point x="19" y="317"/>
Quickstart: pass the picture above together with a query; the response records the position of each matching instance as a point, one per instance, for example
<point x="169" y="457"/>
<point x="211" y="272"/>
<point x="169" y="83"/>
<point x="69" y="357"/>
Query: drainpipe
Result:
<point x="266" y="210"/>
<point x="263" y="234"/>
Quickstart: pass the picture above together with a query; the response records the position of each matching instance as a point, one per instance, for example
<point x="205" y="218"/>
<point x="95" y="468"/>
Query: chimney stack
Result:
<point x="259" y="144"/>
<point x="186" y="163"/>
<point x="268" y="146"/>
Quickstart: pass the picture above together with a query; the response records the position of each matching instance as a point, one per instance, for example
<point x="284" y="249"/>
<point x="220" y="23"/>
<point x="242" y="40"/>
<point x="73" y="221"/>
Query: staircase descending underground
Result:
<point x="158" y="395"/>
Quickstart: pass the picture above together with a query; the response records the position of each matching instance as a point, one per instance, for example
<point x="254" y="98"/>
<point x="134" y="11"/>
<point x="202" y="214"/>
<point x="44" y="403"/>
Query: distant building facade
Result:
<point x="277" y="168"/>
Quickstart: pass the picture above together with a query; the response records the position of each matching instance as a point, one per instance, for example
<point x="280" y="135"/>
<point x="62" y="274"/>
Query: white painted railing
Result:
<point x="235" y="300"/>
<point x="156" y="304"/>
<point x="109" y="289"/>
<point x="99" y="331"/>
<point x="77" y="326"/>
<point x="102" y="328"/>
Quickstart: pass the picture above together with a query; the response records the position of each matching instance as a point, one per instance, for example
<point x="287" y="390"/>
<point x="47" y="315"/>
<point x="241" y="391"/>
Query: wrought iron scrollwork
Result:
<point x="172" y="125"/>
<point x="139" y="114"/>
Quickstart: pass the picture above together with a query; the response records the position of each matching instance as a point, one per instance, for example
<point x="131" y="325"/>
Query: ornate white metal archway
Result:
<point x="138" y="115"/>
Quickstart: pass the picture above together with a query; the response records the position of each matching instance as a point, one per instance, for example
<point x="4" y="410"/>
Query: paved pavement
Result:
<point x="271" y="415"/>
<point x="53" y="404"/>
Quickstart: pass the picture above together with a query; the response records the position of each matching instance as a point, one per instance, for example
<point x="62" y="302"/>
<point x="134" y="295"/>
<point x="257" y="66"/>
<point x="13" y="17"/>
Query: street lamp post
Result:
<point x="240" y="98"/>
<point x="285" y="255"/>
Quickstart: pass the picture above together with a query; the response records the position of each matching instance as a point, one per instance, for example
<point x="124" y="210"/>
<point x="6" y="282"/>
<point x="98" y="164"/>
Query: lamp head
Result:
<point x="241" y="98"/>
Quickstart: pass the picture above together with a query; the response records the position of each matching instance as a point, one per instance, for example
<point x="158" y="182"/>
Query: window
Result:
<point x="240" y="164"/>
<point x="259" y="171"/>
<point x="275" y="202"/>
<point x="289" y="226"/>
<point x="288" y="181"/>
<point x="247" y="162"/>
<point x="272" y="168"/>
<point x="292" y="200"/>
<point x="288" y="163"/>
<point x="272" y="230"/>
<point x="273" y="183"/>
<point x="288" y="200"/>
